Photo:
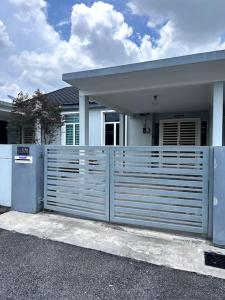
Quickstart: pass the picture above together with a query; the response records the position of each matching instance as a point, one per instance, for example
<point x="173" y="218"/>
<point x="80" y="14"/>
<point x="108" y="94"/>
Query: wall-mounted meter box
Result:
<point x="27" y="178"/>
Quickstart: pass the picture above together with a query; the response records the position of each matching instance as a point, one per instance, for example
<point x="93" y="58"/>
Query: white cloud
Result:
<point x="4" y="37"/>
<point x="99" y="36"/>
<point x="102" y="34"/>
<point x="191" y="26"/>
<point x="36" y="56"/>
<point x="63" y="23"/>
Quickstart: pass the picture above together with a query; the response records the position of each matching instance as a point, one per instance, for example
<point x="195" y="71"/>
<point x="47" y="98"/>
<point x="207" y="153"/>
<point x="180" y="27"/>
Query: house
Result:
<point x="175" y="101"/>
<point x="173" y="109"/>
<point x="6" y="136"/>
<point x="68" y="99"/>
<point x="167" y="102"/>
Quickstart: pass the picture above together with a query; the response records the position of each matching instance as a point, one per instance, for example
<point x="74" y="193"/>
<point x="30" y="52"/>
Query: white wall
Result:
<point x="5" y="174"/>
<point x="135" y="135"/>
<point x="95" y="127"/>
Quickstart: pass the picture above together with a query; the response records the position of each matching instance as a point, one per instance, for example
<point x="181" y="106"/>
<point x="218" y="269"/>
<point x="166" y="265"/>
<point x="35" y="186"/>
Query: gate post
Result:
<point x="219" y="197"/>
<point x="27" y="178"/>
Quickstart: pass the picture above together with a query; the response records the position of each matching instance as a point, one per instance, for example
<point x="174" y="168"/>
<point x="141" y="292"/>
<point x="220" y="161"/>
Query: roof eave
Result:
<point x="150" y="65"/>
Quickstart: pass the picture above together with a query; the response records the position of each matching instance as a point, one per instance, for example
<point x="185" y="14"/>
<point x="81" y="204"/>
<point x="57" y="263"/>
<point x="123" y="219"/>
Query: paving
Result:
<point x="166" y="249"/>
<point x="33" y="268"/>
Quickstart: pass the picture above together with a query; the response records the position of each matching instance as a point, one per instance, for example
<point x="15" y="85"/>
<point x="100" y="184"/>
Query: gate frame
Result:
<point x="207" y="188"/>
<point x="107" y="187"/>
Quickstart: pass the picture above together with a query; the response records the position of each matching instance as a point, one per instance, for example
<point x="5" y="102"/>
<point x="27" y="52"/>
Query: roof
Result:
<point x="180" y="83"/>
<point x="5" y="105"/>
<point x="67" y="96"/>
<point x="148" y="65"/>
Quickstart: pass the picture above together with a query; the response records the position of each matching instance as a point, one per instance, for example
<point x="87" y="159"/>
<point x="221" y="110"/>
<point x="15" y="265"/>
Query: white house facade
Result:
<point x="176" y="101"/>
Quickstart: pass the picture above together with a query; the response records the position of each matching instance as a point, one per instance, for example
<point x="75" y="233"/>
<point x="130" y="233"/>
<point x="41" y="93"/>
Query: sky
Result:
<point x="40" y="40"/>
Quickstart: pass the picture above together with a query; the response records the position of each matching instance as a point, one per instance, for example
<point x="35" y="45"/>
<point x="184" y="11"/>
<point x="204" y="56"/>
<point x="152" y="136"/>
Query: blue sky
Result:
<point x="42" y="39"/>
<point x="62" y="13"/>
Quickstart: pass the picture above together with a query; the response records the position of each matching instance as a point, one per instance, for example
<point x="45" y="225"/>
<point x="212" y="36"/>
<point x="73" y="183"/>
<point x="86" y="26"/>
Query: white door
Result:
<point x="181" y="132"/>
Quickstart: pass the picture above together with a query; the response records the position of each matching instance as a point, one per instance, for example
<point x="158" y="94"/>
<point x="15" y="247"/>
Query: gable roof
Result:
<point x="67" y="96"/>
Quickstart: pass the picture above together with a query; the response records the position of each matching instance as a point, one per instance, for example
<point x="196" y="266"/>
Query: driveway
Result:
<point x="33" y="268"/>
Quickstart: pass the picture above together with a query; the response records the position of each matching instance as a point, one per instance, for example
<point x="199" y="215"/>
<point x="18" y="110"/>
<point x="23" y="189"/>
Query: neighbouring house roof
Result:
<point x="5" y="110"/>
<point x="65" y="96"/>
<point x="68" y="97"/>
<point x="179" y="83"/>
<point x="5" y="105"/>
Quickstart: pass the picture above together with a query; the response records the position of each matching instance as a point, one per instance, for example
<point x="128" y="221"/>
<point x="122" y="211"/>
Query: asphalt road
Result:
<point x="32" y="268"/>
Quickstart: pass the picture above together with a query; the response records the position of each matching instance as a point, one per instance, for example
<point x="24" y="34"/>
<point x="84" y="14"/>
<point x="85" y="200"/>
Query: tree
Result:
<point x="36" y="112"/>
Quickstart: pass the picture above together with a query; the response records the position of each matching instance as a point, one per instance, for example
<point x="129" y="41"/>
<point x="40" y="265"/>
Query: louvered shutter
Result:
<point x="189" y="133"/>
<point x="184" y="132"/>
<point x="169" y="133"/>
<point x="28" y="135"/>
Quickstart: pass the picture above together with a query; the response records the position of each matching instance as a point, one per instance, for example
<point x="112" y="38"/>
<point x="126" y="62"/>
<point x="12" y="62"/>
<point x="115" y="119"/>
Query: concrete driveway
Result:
<point x="33" y="268"/>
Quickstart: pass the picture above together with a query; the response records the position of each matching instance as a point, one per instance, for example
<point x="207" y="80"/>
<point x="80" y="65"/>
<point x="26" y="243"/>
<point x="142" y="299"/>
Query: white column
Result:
<point x="217" y="117"/>
<point x="84" y="120"/>
<point x="122" y="130"/>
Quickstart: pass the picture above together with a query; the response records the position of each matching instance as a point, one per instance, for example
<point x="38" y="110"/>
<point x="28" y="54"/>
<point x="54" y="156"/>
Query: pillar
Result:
<point x="122" y="130"/>
<point x="217" y="115"/>
<point x="84" y="120"/>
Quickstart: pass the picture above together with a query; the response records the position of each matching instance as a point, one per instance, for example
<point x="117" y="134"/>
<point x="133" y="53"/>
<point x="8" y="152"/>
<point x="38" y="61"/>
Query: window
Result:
<point x="72" y="129"/>
<point x="111" y="129"/>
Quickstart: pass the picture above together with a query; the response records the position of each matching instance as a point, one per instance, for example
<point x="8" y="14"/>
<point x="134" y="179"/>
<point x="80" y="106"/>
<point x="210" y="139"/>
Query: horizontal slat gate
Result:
<point x="161" y="187"/>
<point x="77" y="181"/>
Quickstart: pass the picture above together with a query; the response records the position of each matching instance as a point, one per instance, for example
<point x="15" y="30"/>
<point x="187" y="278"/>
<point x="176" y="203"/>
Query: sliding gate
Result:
<point x="159" y="187"/>
<point x="77" y="181"/>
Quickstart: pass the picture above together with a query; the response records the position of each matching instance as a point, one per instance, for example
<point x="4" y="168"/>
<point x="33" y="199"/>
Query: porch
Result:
<point x="177" y="101"/>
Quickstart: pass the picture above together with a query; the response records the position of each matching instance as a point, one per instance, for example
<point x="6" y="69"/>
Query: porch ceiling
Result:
<point x="177" y="99"/>
<point x="181" y="84"/>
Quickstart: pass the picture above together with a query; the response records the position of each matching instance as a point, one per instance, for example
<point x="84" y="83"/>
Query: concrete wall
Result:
<point x="135" y="135"/>
<point x="95" y="131"/>
<point x="5" y="175"/>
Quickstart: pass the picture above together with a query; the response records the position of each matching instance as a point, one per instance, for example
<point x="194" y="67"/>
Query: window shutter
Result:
<point x="188" y="133"/>
<point x="169" y="133"/>
<point x="183" y="132"/>
<point x="28" y="135"/>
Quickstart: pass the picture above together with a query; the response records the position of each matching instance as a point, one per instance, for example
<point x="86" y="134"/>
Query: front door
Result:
<point x="180" y="132"/>
<point x="3" y="132"/>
